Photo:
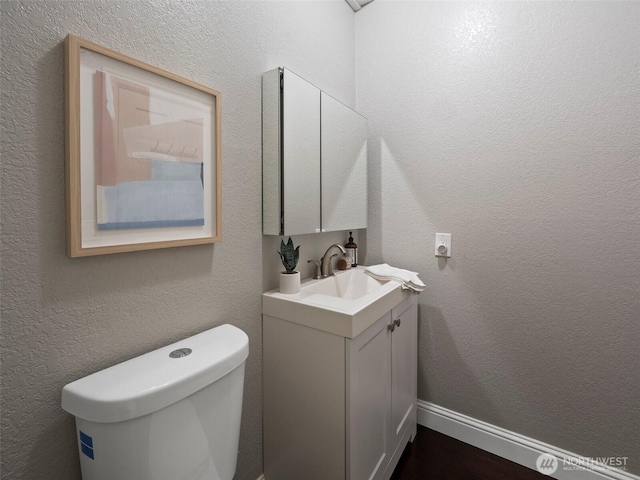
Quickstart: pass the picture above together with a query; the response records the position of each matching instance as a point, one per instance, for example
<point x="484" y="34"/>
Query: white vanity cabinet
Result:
<point x="335" y="407"/>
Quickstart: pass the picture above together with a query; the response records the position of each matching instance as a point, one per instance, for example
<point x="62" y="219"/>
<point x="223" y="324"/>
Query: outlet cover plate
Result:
<point x="443" y="245"/>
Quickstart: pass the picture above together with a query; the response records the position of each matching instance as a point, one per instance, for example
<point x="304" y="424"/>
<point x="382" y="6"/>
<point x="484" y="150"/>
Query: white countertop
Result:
<point x="339" y="316"/>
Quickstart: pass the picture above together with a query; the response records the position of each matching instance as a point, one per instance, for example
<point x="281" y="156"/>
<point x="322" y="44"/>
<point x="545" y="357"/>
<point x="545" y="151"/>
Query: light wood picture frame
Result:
<point x="143" y="155"/>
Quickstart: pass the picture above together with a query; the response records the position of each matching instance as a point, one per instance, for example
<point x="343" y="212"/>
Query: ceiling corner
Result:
<point x="358" y="4"/>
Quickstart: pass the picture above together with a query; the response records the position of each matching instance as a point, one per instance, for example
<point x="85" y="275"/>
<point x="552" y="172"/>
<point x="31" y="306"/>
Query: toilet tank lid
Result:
<point x="155" y="380"/>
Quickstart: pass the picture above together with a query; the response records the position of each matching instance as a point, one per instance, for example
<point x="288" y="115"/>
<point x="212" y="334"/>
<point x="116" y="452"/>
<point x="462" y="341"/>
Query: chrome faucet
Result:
<point x="325" y="262"/>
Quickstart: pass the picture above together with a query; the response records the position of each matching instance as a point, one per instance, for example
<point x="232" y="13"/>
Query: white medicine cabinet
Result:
<point x="314" y="159"/>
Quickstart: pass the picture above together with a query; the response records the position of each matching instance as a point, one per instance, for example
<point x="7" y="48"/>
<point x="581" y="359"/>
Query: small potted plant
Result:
<point x="289" y="279"/>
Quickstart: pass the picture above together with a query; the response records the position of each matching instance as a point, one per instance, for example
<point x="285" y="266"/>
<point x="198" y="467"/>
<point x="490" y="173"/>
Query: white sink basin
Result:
<point x="350" y="284"/>
<point x="345" y="304"/>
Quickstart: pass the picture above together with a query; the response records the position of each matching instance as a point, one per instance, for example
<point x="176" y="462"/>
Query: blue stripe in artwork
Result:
<point x="153" y="224"/>
<point x="153" y="204"/>
<point x="174" y="171"/>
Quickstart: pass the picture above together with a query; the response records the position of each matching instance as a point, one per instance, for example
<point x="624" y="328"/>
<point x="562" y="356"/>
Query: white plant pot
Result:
<point x="289" y="282"/>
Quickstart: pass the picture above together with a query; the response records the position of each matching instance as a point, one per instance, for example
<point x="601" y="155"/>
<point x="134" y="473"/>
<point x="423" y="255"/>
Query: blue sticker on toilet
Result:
<point x="86" y="439"/>
<point x="86" y="444"/>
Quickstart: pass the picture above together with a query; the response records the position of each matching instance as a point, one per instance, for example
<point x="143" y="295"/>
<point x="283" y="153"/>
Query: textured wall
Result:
<point x="63" y="319"/>
<point x="516" y="127"/>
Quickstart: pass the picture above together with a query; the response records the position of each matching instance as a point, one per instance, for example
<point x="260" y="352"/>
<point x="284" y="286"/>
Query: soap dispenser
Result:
<point x="352" y="250"/>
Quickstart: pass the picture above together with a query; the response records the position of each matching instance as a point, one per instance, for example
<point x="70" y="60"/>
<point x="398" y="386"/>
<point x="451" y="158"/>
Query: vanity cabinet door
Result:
<point x="404" y="364"/>
<point x="369" y="405"/>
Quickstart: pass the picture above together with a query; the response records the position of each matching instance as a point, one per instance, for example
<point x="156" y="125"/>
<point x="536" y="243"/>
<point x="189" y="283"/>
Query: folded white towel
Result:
<point x="408" y="279"/>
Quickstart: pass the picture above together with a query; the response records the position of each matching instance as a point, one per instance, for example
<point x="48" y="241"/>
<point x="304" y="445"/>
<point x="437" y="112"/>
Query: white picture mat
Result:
<point x="188" y="102"/>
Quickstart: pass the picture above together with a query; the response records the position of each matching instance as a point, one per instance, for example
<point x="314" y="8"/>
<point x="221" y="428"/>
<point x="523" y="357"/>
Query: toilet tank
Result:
<point x="170" y="414"/>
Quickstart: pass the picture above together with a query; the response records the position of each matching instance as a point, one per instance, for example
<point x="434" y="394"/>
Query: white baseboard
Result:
<point x="513" y="446"/>
<point x="261" y="477"/>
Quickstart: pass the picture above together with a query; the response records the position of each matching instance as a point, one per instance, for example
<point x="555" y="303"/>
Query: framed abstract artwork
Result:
<point x="143" y="163"/>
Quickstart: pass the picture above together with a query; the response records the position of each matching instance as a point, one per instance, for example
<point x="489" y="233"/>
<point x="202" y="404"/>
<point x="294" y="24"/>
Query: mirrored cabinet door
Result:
<point x="314" y="159"/>
<point x="301" y="155"/>
<point x="271" y="171"/>
<point x="290" y="154"/>
<point x="344" y="166"/>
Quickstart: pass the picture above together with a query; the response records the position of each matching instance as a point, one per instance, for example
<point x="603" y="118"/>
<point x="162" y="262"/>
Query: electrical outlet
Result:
<point x="443" y="245"/>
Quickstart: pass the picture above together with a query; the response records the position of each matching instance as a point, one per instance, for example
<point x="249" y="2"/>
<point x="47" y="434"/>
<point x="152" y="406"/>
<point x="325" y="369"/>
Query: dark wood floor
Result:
<point x="434" y="456"/>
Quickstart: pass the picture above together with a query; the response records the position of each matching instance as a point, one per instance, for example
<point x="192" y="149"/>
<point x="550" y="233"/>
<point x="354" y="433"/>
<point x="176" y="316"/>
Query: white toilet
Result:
<point x="171" y="414"/>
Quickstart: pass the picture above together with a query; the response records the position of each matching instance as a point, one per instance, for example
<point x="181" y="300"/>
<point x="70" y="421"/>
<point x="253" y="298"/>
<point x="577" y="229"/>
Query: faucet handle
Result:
<point x="330" y="266"/>
<point x="318" y="274"/>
